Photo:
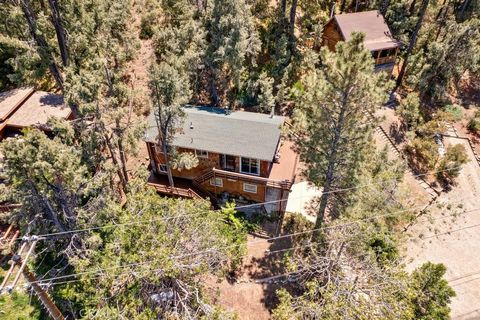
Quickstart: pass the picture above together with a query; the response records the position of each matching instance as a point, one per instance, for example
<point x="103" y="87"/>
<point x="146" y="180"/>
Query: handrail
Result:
<point x="204" y="177"/>
<point x="285" y="184"/>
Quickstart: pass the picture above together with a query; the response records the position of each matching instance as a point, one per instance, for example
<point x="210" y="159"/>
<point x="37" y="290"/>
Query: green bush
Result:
<point x="474" y="123"/>
<point x="450" y="165"/>
<point x="455" y="112"/>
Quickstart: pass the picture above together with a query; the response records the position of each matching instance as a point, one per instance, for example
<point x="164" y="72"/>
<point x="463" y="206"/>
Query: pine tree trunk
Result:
<point x="330" y="175"/>
<point x="59" y="30"/>
<point x="44" y="50"/>
<point x="213" y="86"/>
<point x="283" y="7"/>
<point x="443" y="21"/>
<point x="385" y="5"/>
<point x="51" y="214"/>
<point x="411" y="45"/>
<point x="167" y="163"/>
<point x="463" y="7"/>
<point x="111" y="150"/>
<point x="293" y="16"/>
<point x="411" y="10"/>
<point x="123" y="158"/>
<point x="342" y="6"/>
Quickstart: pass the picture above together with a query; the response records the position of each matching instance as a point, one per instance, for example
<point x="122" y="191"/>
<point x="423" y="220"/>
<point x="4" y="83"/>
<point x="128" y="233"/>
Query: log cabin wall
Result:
<point x="236" y="188"/>
<point x="233" y="186"/>
<point x="331" y="35"/>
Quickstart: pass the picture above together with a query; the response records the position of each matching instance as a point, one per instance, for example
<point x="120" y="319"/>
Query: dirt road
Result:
<point x="450" y="234"/>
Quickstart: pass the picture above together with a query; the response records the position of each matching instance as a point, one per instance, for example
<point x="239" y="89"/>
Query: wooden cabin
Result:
<point x="25" y="107"/>
<point x="378" y="38"/>
<point x="241" y="156"/>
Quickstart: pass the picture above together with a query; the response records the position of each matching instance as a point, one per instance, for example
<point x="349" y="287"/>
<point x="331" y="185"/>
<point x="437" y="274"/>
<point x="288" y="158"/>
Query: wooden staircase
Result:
<point x="197" y="184"/>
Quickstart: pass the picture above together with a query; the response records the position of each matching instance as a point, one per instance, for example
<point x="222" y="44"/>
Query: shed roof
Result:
<point x="11" y="100"/>
<point x="38" y="108"/>
<point x="238" y="133"/>
<point x="372" y="23"/>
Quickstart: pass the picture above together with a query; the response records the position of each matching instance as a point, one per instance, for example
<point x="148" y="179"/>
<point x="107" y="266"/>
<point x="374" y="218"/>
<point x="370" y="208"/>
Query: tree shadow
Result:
<point x="397" y="132"/>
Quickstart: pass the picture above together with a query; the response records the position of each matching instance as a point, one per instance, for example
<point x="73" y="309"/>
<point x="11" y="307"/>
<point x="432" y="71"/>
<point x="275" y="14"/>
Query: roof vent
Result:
<point x="191" y="125"/>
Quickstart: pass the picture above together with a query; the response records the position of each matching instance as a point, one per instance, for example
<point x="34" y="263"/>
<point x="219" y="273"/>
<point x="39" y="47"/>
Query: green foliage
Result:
<point x="169" y="244"/>
<point x="151" y="13"/>
<point x="451" y="164"/>
<point x="439" y="65"/>
<point x="260" y="93"/>
<point x="423" y="153"/>
<point x="455" y="112"/>
<point x="409" y="110"/>
<point x="17" y="306"/>
<point x="233" y="46"/>
<point x="331" y="115"/>
<point x="430" y="293"/>
<point x="48" y="179"/>
<point x="474" y="123"/>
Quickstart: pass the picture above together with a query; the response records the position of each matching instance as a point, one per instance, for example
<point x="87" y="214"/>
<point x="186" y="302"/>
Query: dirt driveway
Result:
<point x="450" y="234"/>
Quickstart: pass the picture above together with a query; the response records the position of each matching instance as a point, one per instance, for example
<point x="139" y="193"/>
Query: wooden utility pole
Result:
<point x="17" y="259"/>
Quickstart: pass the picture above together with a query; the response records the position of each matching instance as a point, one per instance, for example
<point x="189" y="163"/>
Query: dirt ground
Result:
<point x="450" y="234"/>
<point x="243" y="295"/>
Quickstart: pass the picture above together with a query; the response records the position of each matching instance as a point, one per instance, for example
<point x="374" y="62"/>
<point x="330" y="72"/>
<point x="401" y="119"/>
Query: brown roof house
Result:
<point x="242" y="156"/>
<point x="26" y="107"/>
<point x="378" y="38"/>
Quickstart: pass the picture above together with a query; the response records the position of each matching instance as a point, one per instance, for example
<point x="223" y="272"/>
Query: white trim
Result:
<point x="161" y="166"/>
<point x="216" y="182"/>
<point x="258" y="166"/>
<point x="201" y="156"/>
<point x="249" y="185"/>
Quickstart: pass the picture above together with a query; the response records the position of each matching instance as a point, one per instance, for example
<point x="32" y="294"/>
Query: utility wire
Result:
<point x="248" y="244"/>
<point x="44" y="236"/>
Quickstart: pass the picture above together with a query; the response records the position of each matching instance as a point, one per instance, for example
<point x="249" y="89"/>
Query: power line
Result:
<point x="248" y="244"/>
<point x="44" y="236"/>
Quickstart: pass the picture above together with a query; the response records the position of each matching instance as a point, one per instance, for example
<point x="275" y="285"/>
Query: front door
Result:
<point x="227" y="162"/>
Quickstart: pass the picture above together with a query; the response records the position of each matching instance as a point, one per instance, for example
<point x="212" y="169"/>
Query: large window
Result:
<point x="250" y="166"/>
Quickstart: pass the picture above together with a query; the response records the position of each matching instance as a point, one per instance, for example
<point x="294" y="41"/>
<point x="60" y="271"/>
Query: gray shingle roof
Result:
<point x="238" y="133"/>
<point x="372" y="23"/>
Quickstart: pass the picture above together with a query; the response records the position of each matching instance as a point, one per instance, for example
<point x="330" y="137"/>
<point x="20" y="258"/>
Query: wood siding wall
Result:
<point x="232" y="186"/>
<point x="235" y="188"/>
<point x="331" y="35"/>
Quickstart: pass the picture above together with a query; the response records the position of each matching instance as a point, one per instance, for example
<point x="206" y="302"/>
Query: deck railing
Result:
<point x="285" y="184"/>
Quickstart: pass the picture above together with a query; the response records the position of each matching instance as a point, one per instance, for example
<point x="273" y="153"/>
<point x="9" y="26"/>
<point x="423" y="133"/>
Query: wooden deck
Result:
<point x="182" y="187"/>
<point x="285" y="169"/>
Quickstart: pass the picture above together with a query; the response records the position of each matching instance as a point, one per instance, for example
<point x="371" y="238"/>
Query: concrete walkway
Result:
<point x="301" y="197"/>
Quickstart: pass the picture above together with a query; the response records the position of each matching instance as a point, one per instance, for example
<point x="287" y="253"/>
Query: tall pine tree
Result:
<point x="333" y="118"/>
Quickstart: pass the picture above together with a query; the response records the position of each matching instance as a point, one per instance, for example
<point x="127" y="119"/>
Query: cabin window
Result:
<point x="201" y="153"/>
<point x="250" y="188"/>
<point x="250" y="166"/>
<point x="162" y="168"/>
<point x="384" y="53"/>
<point x="216" y="182"/>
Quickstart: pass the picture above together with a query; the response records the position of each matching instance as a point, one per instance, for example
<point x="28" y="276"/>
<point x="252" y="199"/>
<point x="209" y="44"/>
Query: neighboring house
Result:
<point x="378" y="38"/>
<point x="241" y="156"/>
<point x="24" y="107"/>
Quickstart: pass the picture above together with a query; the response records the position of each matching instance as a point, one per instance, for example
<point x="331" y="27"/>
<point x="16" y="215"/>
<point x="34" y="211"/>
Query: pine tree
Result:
<point x="413" y="41"/>
<point x="169" y="92"/>
<point x="168" y="248"/>
<point x="332" y="118"/>
<point x="55" y="191"/>
<point x="234" y="44"/>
